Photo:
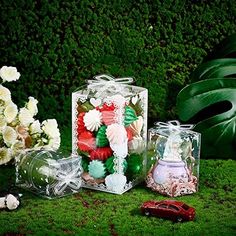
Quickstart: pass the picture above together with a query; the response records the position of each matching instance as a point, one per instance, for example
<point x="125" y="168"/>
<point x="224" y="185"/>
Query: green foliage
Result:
<point x="58" y="45"/>
<point x="211" y="102"/>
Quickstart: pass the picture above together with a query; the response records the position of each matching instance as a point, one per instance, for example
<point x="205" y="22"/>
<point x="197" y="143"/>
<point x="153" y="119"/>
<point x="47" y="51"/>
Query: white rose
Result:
<point x="9" y="73"/>
<point x="5" y="155"/>
<point x="9" y="135"/>
<point x="10" y="112"/>
<point x="50" y="128"/>
<point x="3" y="123"/>
<point x="35" y="128"/>
<point x="25" y="117"/>
<point x="5" y="93"/>
<point x="32" y="106"/>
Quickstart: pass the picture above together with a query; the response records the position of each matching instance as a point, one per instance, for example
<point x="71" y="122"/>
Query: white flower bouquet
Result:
<point x="18" y="127"/>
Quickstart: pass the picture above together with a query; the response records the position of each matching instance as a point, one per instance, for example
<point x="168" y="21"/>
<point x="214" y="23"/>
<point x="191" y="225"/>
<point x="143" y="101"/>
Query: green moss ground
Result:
<point x="97" y="213"/>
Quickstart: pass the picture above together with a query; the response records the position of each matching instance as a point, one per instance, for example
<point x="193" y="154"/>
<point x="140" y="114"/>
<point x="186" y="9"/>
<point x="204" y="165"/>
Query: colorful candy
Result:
<point x="110" y="165"/>
<point x="97" y="169"/>
<point x="101" y="153"/>
<point x="80" y="123"/>
<point x="135" y="164"/>
<point x="93" y="120"/>
<point x="101" y="138"/>
<point x="137" y="126"/>
<point x="86" y="141"/>
<point x="130" y="116"/>
<point x="116" y="134"/>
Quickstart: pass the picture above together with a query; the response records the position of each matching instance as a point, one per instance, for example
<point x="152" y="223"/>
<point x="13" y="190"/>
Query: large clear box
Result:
<point x="109" y="131"/>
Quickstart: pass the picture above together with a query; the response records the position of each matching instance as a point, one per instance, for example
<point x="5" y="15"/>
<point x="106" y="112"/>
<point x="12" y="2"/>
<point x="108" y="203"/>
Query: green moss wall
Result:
<point x="57" y="45"/>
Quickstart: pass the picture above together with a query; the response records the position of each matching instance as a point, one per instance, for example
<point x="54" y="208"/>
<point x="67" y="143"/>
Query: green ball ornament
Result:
<point x="101" y="137"/>
<point x="130" y="116"/>
<point x="135" y="164"/>
<point x="110" y="165"/>
<point x="97" y="169"/>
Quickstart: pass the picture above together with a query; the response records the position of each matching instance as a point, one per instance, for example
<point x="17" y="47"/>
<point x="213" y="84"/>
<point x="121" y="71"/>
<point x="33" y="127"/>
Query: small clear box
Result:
<point x="175" y="150"/>
<point x="48" y="173"/>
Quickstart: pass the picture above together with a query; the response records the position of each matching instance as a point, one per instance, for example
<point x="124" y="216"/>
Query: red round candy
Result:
<point x="106" y="107"/>
<point x="101" y="153"/>
<point x="80" y="123"/>
<point x="129" y="134"/>
<point x="86" y="141"/>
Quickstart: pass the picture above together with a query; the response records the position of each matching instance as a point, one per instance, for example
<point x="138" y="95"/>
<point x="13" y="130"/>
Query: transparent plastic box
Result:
<point x="175" y="153"/>
<point x="48" y="173"/>
<point x="109" y="131"/>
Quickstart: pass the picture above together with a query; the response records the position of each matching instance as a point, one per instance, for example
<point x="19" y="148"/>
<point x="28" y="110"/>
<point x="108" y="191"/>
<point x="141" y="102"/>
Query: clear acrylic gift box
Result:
<point x="109" y="131"/>
<point x="176" y="149"/>
<point x="48" y="173"/>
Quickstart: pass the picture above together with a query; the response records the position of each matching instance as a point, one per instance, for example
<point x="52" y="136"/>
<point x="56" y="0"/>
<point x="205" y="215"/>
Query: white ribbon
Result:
<point x="173" y="125"/>
<point x="104" y="82"/>
<point x="65" y="180"/>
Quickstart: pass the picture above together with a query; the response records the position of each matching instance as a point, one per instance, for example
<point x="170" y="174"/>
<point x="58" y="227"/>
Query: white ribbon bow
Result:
<point x="104" y="82"/>
<point x="173" y="125"/>
<point x="70" y="180"/>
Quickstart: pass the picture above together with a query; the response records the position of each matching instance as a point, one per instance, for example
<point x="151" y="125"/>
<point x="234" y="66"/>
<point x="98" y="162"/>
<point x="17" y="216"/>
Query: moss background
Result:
<point x="57" y="45"/>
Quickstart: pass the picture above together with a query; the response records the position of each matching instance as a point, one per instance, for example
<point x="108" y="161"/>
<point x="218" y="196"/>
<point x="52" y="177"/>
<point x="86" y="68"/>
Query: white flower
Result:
<point x="17" y="147"/>
<point x="50" y="128"/>
<point x="10" y="112"/>
<point x="9" y="73"/>
<point x="25" y="117"/>
<point x="32" y="106"/>
<point x="9" y="135"/>
<point x="5" y="93"/>
<point x="35" y="128"/>
<point x="54" y="143"/>
<point x="3" y="123"/>
<point x="5" y="155"/>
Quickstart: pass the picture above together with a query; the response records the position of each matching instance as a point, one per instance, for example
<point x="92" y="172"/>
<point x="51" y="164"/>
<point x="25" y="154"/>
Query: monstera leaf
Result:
<point x="211" y="104"/>
<point x="203" y="99"/>
<point x="219" y="68"/>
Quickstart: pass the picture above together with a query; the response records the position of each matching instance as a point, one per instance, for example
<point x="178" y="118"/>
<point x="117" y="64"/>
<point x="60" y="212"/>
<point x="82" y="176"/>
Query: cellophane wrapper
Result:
<point x="48" y="173"/>
<point x="173" y="157"/>
<point x="109" y="131"/>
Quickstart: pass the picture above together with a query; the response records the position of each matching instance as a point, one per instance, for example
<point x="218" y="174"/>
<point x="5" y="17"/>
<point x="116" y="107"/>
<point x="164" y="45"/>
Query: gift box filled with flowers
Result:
<point x="48" y="173"/>
<point x="177" y="151"/>
<point x="109" y="120"/>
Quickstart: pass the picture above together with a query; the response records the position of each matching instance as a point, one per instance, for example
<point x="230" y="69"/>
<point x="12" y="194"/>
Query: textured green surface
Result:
<point x="57" y="45"/>
<point x="97" y="213"/>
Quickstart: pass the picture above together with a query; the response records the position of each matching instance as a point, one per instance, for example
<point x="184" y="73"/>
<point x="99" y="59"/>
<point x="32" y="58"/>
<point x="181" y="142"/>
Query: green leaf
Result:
<point x="219" y="130"/>
<point x="219" y="68"/>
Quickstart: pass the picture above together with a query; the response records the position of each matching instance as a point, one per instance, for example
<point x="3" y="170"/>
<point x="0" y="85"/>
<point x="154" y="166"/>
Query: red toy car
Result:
<point x="170" y="209"/>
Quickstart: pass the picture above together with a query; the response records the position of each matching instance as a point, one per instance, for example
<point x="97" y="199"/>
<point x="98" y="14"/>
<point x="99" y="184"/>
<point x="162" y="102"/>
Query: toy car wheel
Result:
<point x="179" y="219"/>
<point x="147" y="213"/>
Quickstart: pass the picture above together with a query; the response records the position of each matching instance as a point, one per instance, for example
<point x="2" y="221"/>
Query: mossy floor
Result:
<point x="97" y="213"/>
